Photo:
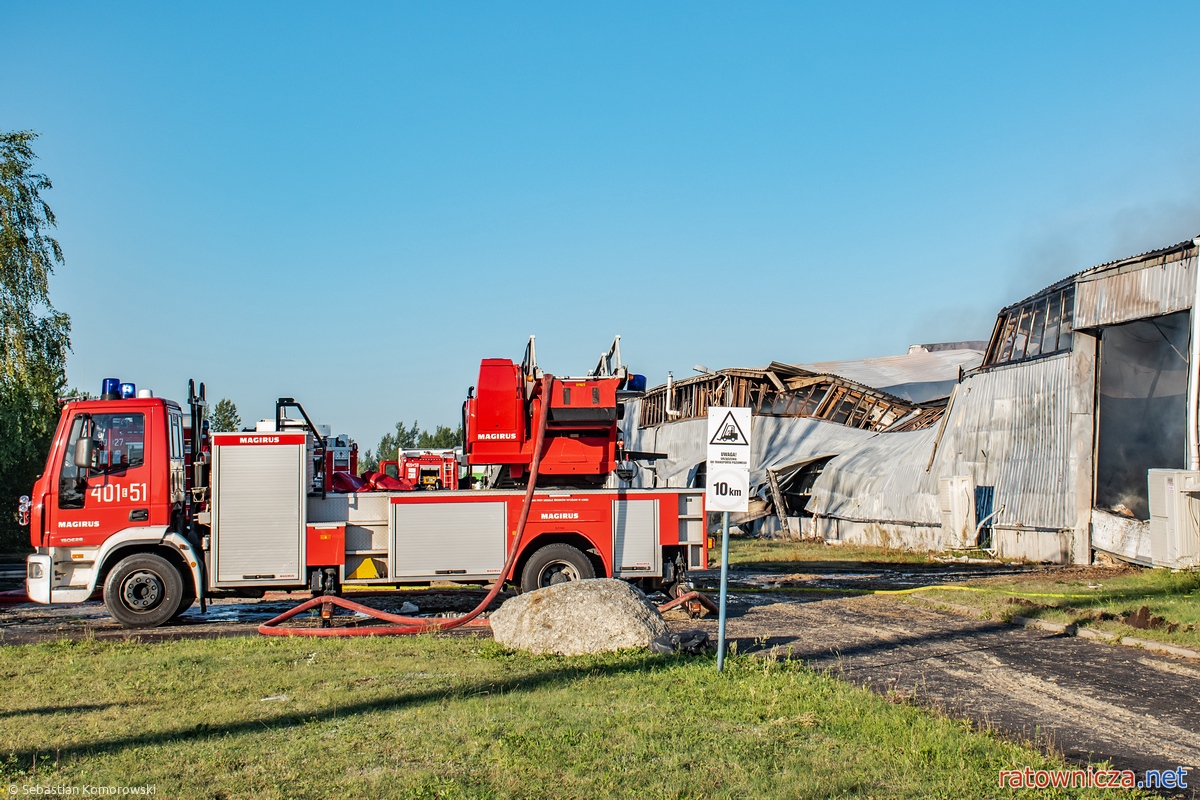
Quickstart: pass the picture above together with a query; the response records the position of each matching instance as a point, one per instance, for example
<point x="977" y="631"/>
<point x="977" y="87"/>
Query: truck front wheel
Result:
<point x="555" y="563"/>
<point x="143" y="591"/>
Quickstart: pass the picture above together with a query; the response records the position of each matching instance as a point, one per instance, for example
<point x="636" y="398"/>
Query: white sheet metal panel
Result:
<point x="635" y="537"/>
<point x="365" y="514"/>
<point x="258" y="514"/>
<point x="777" y="442"/>
<point x="448" y="540"/>
<point x="362" y="508"/>
<point x="883" y="479"/>
<point x="1009" y="428"/>
<point x="1134" y="291"/>
<point x="780" y="441"/>
<point x="1121" y="536"/>
<point x="683" y="442"/>
<point x="918" y="376"/>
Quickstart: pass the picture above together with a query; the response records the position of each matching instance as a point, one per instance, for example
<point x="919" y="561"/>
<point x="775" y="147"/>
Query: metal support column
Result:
<point x="724" y="590"/>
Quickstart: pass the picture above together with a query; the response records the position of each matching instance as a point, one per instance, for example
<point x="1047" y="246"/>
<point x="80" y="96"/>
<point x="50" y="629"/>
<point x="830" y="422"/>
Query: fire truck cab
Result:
<point x="109" y="509"/>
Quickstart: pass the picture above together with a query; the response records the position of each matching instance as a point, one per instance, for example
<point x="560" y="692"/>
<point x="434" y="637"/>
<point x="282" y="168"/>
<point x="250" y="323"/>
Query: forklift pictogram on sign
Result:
<point x="729" y="433"/>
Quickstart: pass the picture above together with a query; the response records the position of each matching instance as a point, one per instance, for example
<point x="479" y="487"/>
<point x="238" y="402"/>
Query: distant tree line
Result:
<point x="412" y="437"/>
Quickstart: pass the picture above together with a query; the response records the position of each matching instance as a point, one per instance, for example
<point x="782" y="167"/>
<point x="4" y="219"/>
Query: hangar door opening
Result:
<point x="1142" y="409"/>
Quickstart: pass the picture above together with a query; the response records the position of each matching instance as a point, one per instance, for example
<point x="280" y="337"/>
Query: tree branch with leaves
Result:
<point x="34" y="336"/>
<point x="224" y="417"/>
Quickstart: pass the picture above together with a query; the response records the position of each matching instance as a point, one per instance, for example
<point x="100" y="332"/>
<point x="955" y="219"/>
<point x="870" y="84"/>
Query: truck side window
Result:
<point x="120" y="445"/>
<point x="176" y="437"/>
<point x="120" y="441"/>
<point x="70" y="485"/>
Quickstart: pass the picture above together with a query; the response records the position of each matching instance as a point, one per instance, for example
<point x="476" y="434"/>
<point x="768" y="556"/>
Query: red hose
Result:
<point x="410" y="625"/>
<point x="688" y="599"/>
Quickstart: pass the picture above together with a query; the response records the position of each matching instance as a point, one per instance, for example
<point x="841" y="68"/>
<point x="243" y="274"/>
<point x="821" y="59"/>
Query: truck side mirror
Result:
<point x="84" y="449"/>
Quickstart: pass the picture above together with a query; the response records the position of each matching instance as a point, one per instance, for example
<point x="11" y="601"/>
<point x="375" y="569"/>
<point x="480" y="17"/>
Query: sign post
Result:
<point x="727" y="482"/>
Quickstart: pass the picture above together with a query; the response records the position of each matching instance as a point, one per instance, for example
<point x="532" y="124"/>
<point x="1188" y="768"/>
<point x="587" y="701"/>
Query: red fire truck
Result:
<point x="425" y="469"/>
<point x="113" y="516"/>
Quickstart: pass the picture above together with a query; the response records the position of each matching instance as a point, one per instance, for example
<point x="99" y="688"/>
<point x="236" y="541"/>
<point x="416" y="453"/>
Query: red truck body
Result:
<point x="581" y="430"/>
<point x="115" y="514"/>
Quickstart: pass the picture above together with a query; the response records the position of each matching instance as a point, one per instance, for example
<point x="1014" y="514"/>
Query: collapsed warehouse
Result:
<point x="1037" y="444"/>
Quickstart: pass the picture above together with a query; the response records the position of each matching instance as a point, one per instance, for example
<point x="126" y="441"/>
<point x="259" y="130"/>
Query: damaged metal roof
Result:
<point x="918" y="376"/>
<point x="780" y="390"/>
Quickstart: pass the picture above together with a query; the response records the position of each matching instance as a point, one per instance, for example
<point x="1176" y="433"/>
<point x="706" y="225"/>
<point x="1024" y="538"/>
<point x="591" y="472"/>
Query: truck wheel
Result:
<point x="189" y="598"/>
<point x="187" y="602"/>
<point x="555" y="563"/>
<point x="143" y="591"/>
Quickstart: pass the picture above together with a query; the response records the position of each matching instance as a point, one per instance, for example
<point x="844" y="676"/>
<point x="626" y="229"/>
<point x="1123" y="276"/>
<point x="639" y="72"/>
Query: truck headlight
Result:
<point x="34" y="572"/>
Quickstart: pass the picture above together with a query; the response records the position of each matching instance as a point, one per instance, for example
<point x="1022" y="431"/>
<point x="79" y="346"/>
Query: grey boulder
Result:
<point x="578" y="617"/>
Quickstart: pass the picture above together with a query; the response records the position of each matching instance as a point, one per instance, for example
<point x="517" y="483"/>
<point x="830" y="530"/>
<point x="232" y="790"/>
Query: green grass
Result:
<point x="769" y="553"/>
<point x="461" y="717"/>
<point x="1093" y="598"/>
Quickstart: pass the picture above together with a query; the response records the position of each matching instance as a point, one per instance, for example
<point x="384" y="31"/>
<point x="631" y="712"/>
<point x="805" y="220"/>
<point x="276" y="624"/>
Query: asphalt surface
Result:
<point x="30" y="623"/>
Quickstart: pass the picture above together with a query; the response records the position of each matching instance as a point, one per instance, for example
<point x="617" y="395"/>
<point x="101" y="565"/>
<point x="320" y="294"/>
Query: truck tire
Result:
<point x="189" y="599"/>
<point x="555" y="563"/>
<point x="143" y="591"/>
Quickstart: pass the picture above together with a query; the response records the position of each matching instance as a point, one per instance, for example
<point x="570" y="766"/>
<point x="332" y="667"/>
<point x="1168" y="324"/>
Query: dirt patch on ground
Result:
<point x="1089" y="701"/>
<point x="1080" y="574"/>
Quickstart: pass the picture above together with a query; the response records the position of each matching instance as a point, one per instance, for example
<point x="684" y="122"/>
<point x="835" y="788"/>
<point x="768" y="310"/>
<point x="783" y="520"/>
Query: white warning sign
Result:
<point x="728" y="473"/>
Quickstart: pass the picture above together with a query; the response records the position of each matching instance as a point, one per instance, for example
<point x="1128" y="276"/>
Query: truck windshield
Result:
<point x="119" y="446"/>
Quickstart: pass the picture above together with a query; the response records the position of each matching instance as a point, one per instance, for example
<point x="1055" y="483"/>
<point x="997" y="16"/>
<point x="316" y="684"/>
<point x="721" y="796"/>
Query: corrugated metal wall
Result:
<point x="1009" y="428"/>
<point x="1133" y="292"/>
<point x="1013" y="432"/>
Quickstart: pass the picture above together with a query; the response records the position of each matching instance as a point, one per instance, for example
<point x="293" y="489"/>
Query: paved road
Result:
<point x="1089" y="700"/>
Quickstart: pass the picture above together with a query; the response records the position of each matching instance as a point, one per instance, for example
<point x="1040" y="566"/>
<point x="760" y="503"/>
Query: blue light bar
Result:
<point x="128" y="391"/>
<point x="110" y="389"/>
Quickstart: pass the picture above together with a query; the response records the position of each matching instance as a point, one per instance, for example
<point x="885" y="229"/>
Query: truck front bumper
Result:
<point x="38" y="571"/>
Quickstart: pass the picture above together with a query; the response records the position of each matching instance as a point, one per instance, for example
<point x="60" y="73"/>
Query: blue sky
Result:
<point x="353" y="205"/>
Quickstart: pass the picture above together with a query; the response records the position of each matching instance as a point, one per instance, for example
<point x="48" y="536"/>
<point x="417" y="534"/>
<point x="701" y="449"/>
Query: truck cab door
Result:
<point x="109" y="494"/>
